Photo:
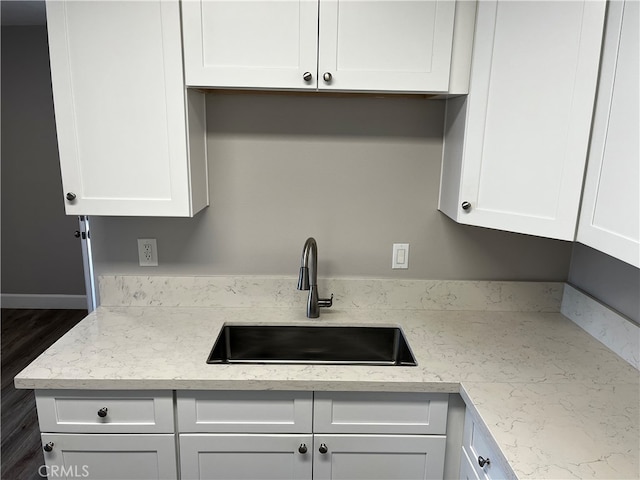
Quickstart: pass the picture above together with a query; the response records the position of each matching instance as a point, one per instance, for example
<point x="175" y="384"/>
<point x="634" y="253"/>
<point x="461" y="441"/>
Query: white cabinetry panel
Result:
<point x="384" y="457"/>
<point x="402" y="45"/>
<point x="234" y="411"/>
<point x="226" y="457"/>
<point x="270" y="44"/>
<point x="467" y="470"/>
<point x="383" y="412"/>
<point x="479" y="454"/>
<point x="120" y="106"/>
<point x="515" y="148"/>
<point x="113" y="457"/>
<point x="609" y="219"/>
<point x="105" y="411"/>
<point x="372" y="45"/>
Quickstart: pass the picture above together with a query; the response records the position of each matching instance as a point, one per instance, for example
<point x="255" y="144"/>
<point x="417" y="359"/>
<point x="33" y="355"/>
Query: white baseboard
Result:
<point x="37" y="301"/>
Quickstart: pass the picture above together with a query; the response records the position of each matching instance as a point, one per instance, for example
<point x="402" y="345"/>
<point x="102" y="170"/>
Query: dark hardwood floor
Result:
<point x="25" y="335"/>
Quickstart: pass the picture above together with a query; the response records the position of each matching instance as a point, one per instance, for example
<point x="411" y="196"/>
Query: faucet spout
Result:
<point x="308" y="279"/>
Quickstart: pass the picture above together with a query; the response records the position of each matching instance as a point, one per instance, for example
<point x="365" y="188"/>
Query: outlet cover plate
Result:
<point x="148" y="252"/>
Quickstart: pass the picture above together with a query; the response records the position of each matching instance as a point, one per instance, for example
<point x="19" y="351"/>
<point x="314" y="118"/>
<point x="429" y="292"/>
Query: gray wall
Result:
<point x="39" y="253"/>
<point x="608" y="279"/>
<point x="358" y="173"/>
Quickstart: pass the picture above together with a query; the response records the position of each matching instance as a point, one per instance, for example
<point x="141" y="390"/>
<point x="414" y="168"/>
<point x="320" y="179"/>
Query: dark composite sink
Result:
<point x="364" y="345"/>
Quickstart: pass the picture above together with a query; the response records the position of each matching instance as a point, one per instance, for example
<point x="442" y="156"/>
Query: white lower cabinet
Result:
<point x="128" y="435"/>
<point x="467" y="470"/>
<point x="384" y="457"/>
<point x="242" y="435"/>
<point x="480" y="458"/>
<point x="249" y="456"/>
<point x="111" y="456"/>
<point x="353" y="435"/>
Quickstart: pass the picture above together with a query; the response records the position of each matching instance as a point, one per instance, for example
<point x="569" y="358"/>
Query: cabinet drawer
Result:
<point x="380" y="412"/>
<point x="245" y="412"/>
<point x="475" y="444"/>
<point x="105" y="411"/>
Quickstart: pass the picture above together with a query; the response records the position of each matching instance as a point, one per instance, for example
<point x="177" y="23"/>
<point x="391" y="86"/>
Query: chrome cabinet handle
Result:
<point x="48" y="447"/>
<point x="466" y="206"/>
<point x="103" y="412"/>
<point x="71" y="196"/>
<point x="302" y="448"/>
<point x="483" y="461"/>
<point x="323" y="448"/>
<point x="306" y="76"/>
<point x="327" y="77"/>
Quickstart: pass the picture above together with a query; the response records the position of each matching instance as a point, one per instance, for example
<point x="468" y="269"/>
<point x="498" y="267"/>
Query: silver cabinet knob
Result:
<point x="323" y="448"/>
<point x="327" y="77"/>
<point x="306" y="76"/>
<point x="48" y="447"/>
<point x="466" y="206"/>
<point x="71" y="196"/>
<point x="302" y="448"/>
<point x="483" y="461"/>
<point x="103" y="412"/>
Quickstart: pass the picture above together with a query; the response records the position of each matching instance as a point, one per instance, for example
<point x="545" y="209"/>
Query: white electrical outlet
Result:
<point x="400" y="256"/>
<point x="148" y="252"/>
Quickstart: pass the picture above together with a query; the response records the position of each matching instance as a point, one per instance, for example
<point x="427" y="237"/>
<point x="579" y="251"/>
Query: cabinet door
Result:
<point x="481" y="453"/>
<point x="254" y="43"/>
<point x="113" y="457"/>
<point x="467" y="470"/>
<point x="399" y="45"/>
<point x="609" y="219"/>
<point x="119" y="97"/>
<point x="515" y="148"/>
<point x="226" y="457"/>
<point x="384" y="457"/>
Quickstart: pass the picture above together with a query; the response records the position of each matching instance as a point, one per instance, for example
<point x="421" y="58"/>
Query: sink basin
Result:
<point x="362" y="345"/>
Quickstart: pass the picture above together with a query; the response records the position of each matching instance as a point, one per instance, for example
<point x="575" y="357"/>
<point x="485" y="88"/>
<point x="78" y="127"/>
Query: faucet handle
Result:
<point x="325" y="302"/>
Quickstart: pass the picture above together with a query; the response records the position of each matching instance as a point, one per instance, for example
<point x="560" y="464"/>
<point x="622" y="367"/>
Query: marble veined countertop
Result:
<point x="557" y="403"/>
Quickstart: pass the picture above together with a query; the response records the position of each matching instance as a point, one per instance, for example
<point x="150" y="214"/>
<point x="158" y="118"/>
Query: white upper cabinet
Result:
<point x="609" y="219"/>
<point x="515" y="147"/>
<point x="268" y="44"/>
<point x="128" y="144"/>
<point x="348" y="45"/>
<point x="385" y="45"/>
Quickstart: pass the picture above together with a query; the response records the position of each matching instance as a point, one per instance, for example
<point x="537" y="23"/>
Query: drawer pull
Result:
<point x="48" y="447"/>
<point x="103" y="412"/>
<point x="483" y="461"/>
<point x="323" y="448"/>
<point x="302" y="448"/>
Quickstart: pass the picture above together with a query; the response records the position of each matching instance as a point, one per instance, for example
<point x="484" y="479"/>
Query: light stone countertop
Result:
<point x="557" y="402"/>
